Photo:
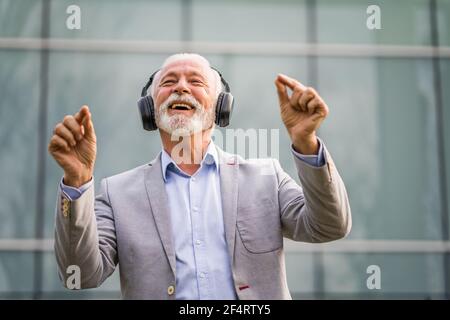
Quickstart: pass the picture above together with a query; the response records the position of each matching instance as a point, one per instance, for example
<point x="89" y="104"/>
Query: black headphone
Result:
<point x="224" y="105"/>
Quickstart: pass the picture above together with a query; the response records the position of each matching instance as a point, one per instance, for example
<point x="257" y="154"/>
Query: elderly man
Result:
<point x="186" y="229"/>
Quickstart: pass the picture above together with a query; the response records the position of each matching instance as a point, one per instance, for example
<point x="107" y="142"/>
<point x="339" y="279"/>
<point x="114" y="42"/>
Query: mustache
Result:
<point x="180" y="99"/>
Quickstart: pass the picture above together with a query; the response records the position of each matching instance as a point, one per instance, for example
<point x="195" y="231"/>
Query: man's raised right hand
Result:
<point x="74" y="147"/>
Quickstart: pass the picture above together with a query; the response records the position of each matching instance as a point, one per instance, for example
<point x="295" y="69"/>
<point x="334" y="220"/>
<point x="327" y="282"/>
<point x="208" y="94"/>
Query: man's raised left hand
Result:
<point x="302" y="113"/>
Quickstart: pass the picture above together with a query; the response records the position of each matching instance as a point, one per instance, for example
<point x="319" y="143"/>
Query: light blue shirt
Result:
<point x="203" y="269"/>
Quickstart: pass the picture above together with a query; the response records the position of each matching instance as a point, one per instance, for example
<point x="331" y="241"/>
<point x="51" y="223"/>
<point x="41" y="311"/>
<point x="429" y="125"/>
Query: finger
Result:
<point x="313" y="104"/>
<point x="317" y="106"/>
<point x="62" y="131"/>
<point x="307" y="96"/>
<point x="58" y="143"/>
<point x="288" y="81"/>
<point x="81" y="114"/>
<point x="73" y="126"/>
<point x="298" y="92"/>
<point x="88" y="126"/>
<point x="282" y="92"/>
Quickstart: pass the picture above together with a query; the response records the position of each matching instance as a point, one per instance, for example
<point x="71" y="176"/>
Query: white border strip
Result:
<point x="241" y="48"/>
<point x="342" y="246"/>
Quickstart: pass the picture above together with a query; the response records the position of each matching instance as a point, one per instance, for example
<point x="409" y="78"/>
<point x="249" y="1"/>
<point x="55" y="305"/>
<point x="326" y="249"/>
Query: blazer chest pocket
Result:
<point x="259" y="227"/>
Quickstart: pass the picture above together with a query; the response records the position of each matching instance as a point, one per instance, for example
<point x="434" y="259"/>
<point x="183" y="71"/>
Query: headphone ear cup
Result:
<point x="145" y="105"/>
<point x="224" y="108"/>
<point x="218" y="106"/>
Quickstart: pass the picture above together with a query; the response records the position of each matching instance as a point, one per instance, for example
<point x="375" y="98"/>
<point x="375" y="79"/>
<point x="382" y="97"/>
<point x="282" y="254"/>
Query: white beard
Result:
<point x="179" y="124"/>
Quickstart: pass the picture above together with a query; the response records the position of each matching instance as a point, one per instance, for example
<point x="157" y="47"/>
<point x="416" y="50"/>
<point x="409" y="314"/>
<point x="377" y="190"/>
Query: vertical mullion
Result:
<point x="41" y="152"/>
<point x="313" y="77"/>
<point x="186" y="20"/>
<point x="437" y="85"/>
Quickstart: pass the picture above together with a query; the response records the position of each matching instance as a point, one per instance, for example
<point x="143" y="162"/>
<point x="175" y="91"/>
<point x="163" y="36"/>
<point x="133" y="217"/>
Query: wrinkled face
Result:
<point x="184" y="96"/>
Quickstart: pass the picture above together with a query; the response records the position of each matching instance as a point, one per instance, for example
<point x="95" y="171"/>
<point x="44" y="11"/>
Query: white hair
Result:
<point x="188" y="56"/>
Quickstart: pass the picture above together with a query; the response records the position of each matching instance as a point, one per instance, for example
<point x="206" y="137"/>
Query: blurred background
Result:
<point x="388" y="127"/>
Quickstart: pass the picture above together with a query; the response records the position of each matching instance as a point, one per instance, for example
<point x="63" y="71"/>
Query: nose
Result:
<point x="182" y="87"/>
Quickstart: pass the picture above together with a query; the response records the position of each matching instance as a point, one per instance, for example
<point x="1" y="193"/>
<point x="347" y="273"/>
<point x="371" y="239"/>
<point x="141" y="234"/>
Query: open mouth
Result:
<point x="180" y="106"/>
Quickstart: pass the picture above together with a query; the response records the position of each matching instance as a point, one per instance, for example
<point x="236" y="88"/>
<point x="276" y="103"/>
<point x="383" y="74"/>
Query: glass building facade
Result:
<point x="388" y="129"/>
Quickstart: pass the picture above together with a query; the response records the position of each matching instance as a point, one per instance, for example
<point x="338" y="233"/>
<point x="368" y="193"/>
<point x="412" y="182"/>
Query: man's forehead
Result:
<point x="186" y="66"/>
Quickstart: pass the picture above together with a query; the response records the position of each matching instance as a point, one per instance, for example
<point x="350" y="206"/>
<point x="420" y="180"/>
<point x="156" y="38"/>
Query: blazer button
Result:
<point x="170" y="290"/>
<point x="65" y="207"/>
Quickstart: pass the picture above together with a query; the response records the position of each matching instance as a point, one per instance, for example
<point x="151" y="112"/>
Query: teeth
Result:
<point x="181" y="105"/>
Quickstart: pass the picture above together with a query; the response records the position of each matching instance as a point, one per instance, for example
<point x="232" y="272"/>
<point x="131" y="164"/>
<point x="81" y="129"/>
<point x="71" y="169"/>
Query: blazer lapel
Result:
<point x="157" y="196"/>
<point x="228" y="167"/>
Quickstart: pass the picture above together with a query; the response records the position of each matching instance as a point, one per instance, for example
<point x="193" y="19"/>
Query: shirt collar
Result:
<point x="210" y="158"/>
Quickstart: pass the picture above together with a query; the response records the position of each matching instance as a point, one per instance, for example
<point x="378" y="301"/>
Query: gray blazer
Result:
<point x="129" y="223"/>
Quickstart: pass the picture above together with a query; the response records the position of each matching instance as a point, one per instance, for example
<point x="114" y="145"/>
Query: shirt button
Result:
<point x="170" y="290"/>
<point x="193" y="178"/>
<point x="202" y="275"/>
<point x="195" y="209"/>
<point x="198" y="242"/>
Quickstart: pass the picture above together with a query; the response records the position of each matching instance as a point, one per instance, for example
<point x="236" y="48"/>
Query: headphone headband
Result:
<point x="148" y="84"/>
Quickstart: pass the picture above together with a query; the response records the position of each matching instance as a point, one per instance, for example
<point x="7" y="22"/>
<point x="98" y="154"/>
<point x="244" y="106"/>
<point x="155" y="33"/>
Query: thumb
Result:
<point x="282" y="92"/>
